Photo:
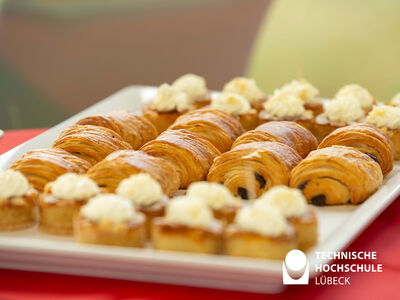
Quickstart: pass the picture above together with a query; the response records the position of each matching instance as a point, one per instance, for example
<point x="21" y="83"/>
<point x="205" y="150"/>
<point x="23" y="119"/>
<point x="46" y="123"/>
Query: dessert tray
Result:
<point x="32" y="250"/>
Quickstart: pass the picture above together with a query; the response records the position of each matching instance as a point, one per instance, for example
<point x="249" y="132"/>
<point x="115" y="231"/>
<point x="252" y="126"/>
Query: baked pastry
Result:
<point x="191" y="155"/>
<point x="387" y="119"/>
<point x="362" y="95"/>
<point x="91" y="143"/>
<point x="286" y="107"/>
<point x="61" y="201"/>
<point x="186" y="93"/>
<point x="247" y="88"/>
<point x="188" y="225"/>
<point x="305" y="91"/>
<point x="110" y="220"/>
<point x="17" y="201"/>
<point x="339" y="112"/>
<point x="122" y="164"/>
<point x="134" y="129"/>
<point x="215" y="126"/>
<point x="146" y="195"/>
<point x="221" y="201"/>
<point x="249" y="170"/>
<point x="285" y="132"/>
<point x="45" y="165"/>
<point x="293" y="206"/>
<point x="260" y="232"/>
<point x="336" y="175"/>
<point x="366" y="138"/>
<point x="237" y="106"/>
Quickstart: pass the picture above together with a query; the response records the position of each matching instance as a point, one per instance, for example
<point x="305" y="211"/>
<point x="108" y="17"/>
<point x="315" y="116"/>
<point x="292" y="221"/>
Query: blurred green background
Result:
<point x="58" y="57"/>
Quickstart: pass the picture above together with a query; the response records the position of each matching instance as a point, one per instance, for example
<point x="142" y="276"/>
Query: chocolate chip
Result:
<point x="302" y="185"/>
<point x="260" y="180"/>
<point x="319" y="200"/>
<point x="243" y="193"/>
<point x="372" y="156"/>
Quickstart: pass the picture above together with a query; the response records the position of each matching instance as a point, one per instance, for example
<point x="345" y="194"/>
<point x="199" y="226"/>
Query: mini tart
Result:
<point x="152" y="211"/>
<point x="317" y="107"/>
<point x="161" y="120"/>
<point x="250" y="244"/>
<point x="394" y="136"/>
<point x="306" y="228"/>
<point x="57" y="215"/>
<point x="127" y="234"/>
<point x="167" y="236"/>
<point x="306" y="122"/>
<point x="18" y="212"/>
<point x="248" y="120"/>
<point x="226" y="214"/>
<point x="323" y="129"/>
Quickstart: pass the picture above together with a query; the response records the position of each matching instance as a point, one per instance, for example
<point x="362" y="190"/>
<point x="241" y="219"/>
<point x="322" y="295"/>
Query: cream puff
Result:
<point x="17" y="201"/>
<point x="61" y="201"/>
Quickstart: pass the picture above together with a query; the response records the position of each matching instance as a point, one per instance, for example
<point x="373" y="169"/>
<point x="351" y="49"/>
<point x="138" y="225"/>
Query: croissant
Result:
<point x="248" y="170"/>
<point x="45" y="165"/>
<point x="286" y="132"/>
<point x="369" y="139"/>
<point x="191" y="155"/>
<point x="91" y="143"/>
<point x="215" y="126"/>
<point x="134" y="129"/>
<point x="336" y="175"/>
<point x="121" y="164"/>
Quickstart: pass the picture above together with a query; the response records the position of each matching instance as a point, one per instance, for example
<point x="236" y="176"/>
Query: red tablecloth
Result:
<point x="382" y="236"/>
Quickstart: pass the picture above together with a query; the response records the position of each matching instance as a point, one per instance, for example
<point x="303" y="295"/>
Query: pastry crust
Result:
<point x="153" y="211"/>
<point x="130" y="234"/>
<point x="286" y="132"/>
<point x="317" y="107"/>
<point x="322" y="130"/>
<point x="394" y="136"/>
<point x="337" y="175"/>
<point x="45" y="165"/>
<point x="134" y="129"/>
<point x="166" y="236"/>
<point x="191" y="155"/>
<point x="160" y="120"/>
<point x="249" y="170"/>
<point x="249" y="244"/>
<point x="249" y="120"/>
<point x="122" y="164"/>
<point x="91" y="143"/>
<point x="306" y="122"/>
<point x="215" y="126"/>
<point x="306" y="228"/>
<point x="366" y="138"/>
<point x="18" y="212"/>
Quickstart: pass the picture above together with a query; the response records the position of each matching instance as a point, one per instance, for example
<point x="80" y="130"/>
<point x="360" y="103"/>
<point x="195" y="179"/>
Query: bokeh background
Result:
<point x="58" y="57"/>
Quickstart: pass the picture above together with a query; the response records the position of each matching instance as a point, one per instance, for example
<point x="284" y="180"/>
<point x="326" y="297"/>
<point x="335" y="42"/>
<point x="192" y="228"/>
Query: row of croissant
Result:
<point x="210" y="144"/>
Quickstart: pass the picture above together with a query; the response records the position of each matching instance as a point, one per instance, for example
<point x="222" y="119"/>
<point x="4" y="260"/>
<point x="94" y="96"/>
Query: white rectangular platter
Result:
<point x="32" y="250"/>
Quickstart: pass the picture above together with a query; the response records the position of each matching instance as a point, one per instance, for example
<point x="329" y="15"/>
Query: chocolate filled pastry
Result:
<point x="337" y="175"/>
<point x="134" y="129"/>
<point x="122" y="164"/>
<point x="285" y="132"/>
<point x="191" y="155"/>
<point x="45" y="165"/>
<point x="91" y="143"/>
<point x="248" y="170"/>
<point x="369" y="139"/>
<point x="215" y="126"/>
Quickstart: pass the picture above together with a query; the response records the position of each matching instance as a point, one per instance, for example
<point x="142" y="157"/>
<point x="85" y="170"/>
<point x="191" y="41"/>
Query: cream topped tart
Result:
<point x="61" y="201"/>
<point x="293" y="205"/>
<point x="188" y="225"/>
<point x="146" y="195"/>
<point x="218" y="197"/>
<point x="360" y="94"/>
<point x="17" y="201"/>
<point x="260" y="231"/>
<point x="109" y="219"/>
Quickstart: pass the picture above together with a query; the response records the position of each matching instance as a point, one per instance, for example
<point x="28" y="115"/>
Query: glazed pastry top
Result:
<point x="141" y="189"/>
<point x="384" y="116"/>
<point x="216" y="195"/>
<point x="266" y="220"/>
<point x="189" y="211"/>
<point x="233" y="104"/>
<point x="290" y="202"/>
<point x="356" y="91"/>
<point x="108" y="207"/>
<point x="245" y="87"/>
<point x="285" y="105"/>
<point x="13" y="184"/>
<point x="193" y="86"/>
<point x="301" y="89"/>
<point x="73" y="186"/>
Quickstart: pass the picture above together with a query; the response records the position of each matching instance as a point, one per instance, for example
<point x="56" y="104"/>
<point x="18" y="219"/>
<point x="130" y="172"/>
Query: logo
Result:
<point x="295" y="268"/>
